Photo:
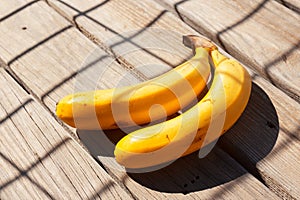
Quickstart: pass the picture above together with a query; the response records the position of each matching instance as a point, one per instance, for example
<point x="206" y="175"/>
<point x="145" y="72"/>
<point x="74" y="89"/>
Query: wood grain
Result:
<point x="21" y="48"/>
<point x="7" y="10"/>
<point x="254" y="32"/>
<point x="39" y="159"/>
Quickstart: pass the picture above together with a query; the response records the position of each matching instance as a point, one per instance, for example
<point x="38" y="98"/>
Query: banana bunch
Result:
<point x="194" y="129"/>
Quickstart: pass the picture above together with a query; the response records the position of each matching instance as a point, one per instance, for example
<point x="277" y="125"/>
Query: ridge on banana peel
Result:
<point x="104" y="109"/>
<point x="199" y="126"/>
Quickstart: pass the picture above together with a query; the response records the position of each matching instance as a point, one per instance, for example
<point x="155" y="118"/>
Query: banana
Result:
<point x="199" y="126"/>
<point x="137" y="104"/>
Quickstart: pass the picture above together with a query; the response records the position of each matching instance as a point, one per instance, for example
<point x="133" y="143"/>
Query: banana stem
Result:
<point x="194" y="41"/>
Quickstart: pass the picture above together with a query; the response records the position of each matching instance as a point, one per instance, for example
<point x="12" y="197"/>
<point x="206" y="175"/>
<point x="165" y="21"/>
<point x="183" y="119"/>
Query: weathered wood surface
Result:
<point x="44" y="52"/>
<point x="101" y="31"/>
<point x="39" y="159"/>
<point x="262" y="34"/>
<point x="29" y="39"/>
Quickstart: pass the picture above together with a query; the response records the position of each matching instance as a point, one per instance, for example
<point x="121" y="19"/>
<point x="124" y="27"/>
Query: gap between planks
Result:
<point x="35" y="98"/>
<point x="39" y="125"/>
<point x="119" y="59"/>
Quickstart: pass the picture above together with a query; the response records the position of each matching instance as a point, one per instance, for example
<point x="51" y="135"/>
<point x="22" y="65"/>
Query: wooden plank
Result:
<point x="274" y="52"/>
<point x="39" y="159"/>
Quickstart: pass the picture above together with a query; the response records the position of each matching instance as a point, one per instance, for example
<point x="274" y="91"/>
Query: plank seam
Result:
<point x="24" y="172"/>
<point x="19" y="9"/>
<point x="289" y="6"/>
<point x="37" y="99"/>
<point x="122" y="61"/>
<point x="174" y="10"/>
<point x="277" y="188"/>
<point x="267" y="181"/>
<point x="19" y="81"/>
<point x="69" y="131"/>
<point x="2" y="63"/>
<point x="40" y="160"/>
<point x="120" y="183"/>
<point x="119" y="59"/>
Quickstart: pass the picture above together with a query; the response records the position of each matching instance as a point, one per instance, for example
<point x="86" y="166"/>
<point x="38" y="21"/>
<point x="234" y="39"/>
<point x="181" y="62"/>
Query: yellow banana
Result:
<point x="202" y="124"/>
<point x="137" y="104"/>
